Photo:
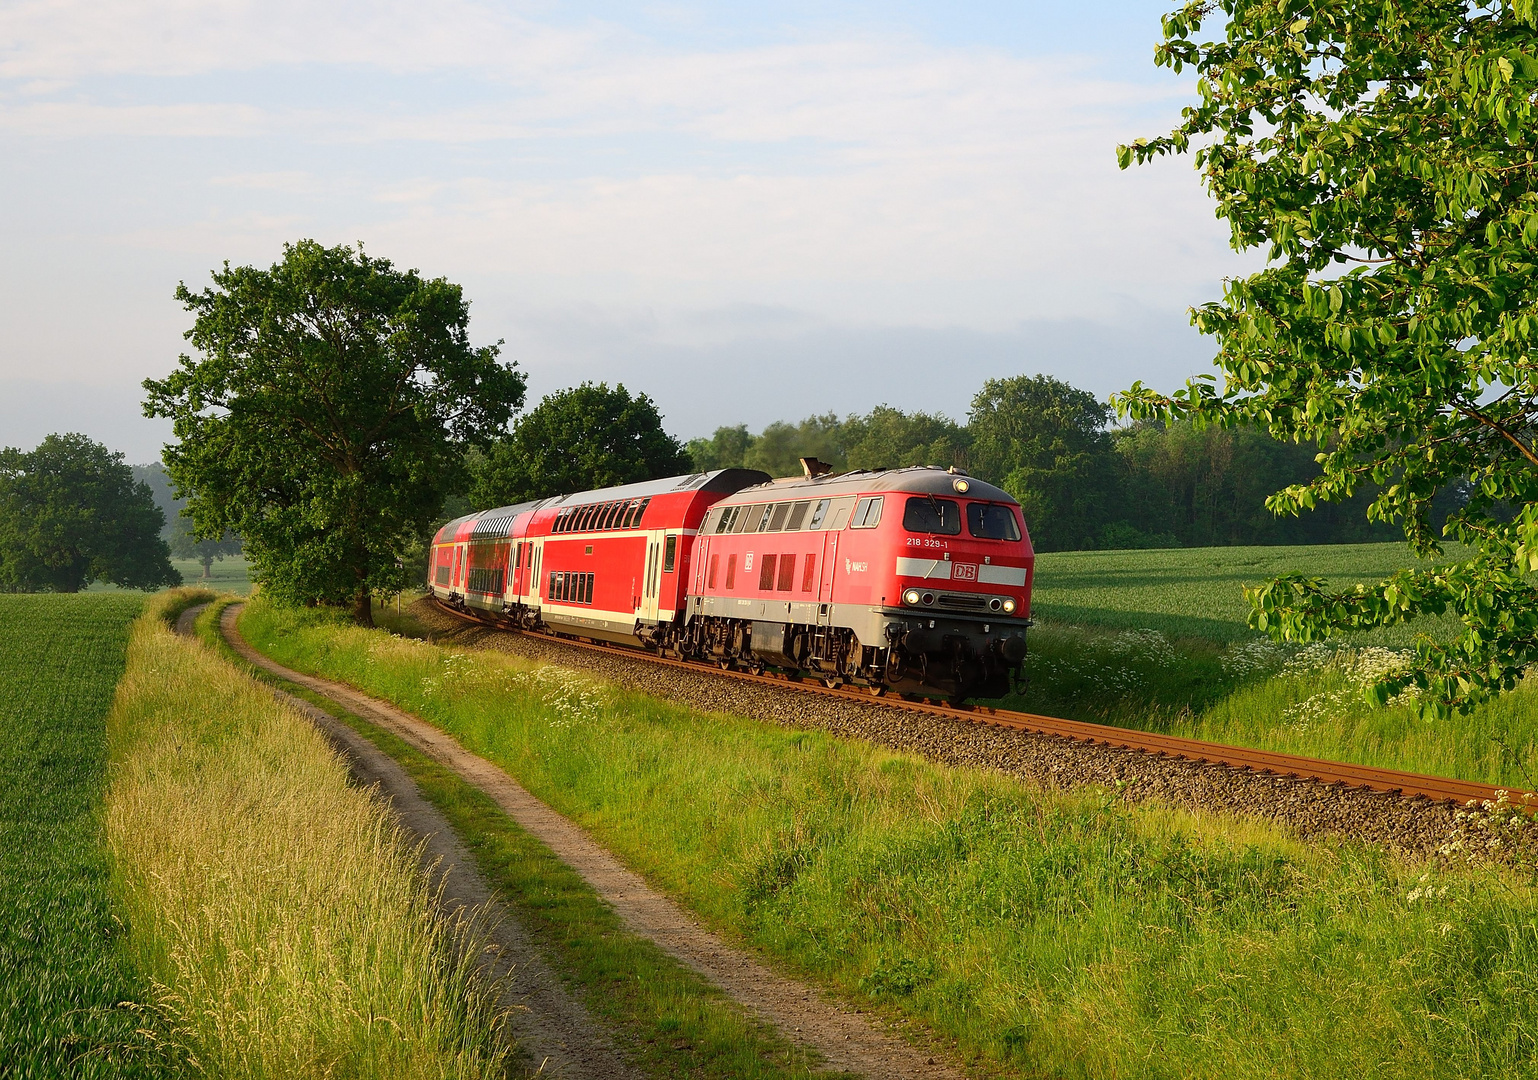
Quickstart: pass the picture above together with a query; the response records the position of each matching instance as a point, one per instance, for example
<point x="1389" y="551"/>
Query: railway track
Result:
<point x="1262" y="762"/>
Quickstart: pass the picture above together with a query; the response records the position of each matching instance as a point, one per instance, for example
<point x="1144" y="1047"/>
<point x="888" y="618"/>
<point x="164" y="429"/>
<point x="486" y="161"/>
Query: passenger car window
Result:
<point x="992" y="521"/>
<point x="867" y="513"/>
<point x="927" y="514"/>
<point x="670" y="553"/>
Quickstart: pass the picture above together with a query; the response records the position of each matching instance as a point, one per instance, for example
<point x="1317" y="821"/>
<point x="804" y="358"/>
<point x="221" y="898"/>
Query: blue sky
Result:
<point x="748" y="211"/>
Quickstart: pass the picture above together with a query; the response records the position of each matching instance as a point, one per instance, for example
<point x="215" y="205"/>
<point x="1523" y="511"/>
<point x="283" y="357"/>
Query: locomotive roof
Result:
<point x="919" y="479"/>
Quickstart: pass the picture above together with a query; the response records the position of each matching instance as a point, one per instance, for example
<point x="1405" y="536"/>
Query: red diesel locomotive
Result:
<point x="916" y="579"/>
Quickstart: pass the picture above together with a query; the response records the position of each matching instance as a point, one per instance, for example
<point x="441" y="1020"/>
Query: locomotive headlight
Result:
<point x="911" y="596"/>
<point x="961" y="486"/>
<point x="1009" y="607"/>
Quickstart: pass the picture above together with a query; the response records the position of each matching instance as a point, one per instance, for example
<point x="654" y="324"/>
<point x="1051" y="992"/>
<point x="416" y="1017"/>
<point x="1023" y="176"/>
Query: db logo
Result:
<point x="964" y="571"/>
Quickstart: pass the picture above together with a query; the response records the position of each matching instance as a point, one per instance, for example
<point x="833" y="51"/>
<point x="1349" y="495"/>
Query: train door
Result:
<point x="829" y="565"/>
<point x="651" y="578"/>
<point x="515" y="572"/>
<point x="536" y="564"/>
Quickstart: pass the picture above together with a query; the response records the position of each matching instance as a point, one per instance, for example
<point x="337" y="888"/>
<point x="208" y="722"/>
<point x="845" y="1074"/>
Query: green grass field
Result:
<point x="1047" y="934"/>
<point x="231" y="575"/>
<point x="64" y="978"/>
<point x="1198" y="592"/>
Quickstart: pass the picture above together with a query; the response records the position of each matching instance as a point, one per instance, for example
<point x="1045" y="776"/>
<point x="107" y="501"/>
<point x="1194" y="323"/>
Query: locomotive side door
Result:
<point x="829" y="565"/>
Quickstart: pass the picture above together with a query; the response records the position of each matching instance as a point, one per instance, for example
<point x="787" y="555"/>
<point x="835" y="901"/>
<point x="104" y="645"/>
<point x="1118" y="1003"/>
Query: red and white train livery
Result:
<point x="917" y="579"/>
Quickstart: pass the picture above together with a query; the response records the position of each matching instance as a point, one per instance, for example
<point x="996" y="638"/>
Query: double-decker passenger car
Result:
<point x="606" y="564"/>
<point x="917" y="579"/>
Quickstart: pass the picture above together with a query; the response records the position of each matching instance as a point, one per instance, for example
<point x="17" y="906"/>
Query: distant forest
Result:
<point x="1083" y="483"/>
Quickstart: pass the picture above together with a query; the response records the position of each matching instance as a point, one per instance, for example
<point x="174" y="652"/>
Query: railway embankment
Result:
<point x="1414" y="827"/>
<point x="1042" y="931"/>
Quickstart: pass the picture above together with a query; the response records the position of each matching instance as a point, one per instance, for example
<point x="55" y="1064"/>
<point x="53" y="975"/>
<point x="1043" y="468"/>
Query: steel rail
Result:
<point x="1263" y="762"/>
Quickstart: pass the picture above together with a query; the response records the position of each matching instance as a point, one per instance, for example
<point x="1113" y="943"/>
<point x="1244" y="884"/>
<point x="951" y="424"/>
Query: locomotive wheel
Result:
<point x="876" y="691"/>
<point x="832" y="683"/>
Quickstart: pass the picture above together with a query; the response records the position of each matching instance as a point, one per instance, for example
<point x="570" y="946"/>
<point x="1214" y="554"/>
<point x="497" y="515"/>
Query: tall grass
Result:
<point x="63" y="985"/>
<point x="285" y="923"/>
<point x="1048" y="934"/>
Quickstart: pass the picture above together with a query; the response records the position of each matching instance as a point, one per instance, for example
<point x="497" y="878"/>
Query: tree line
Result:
<point x="1082" y="482"/>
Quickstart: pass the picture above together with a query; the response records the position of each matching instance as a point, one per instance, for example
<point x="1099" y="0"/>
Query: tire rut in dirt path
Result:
<point x="847" y="1040"/>
<point x="556" y="1036"/>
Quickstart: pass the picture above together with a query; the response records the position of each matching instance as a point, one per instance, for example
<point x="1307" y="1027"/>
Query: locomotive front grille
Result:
<point x="963" y="601"/>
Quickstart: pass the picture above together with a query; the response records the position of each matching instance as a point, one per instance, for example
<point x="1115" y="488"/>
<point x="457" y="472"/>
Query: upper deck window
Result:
<point x="991" y="521"/>
<point x="927" y="514"/>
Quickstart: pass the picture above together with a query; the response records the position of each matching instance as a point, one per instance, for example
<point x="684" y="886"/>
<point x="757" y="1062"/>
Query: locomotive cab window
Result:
<point x="927" y="514"/>
<point x="991" y="521"/>
<point x="867" y="513"/>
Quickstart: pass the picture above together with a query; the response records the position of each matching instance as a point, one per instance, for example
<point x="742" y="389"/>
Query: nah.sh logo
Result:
<point x="964" y="571"/>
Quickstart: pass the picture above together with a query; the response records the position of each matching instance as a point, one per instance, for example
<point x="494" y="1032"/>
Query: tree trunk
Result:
<point x="363" y="609"/>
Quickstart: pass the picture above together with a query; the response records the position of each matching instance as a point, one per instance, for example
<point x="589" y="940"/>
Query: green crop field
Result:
<point x="60" y="1012"/>
<point x="1197" y="592"/>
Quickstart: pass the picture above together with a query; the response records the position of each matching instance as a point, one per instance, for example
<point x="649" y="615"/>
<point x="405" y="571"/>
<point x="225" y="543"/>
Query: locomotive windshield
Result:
<point x="991" y="521"/>
<point x="927" y="514"/>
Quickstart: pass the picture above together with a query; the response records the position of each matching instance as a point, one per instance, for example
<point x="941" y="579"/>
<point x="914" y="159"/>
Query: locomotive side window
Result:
<point x="724" y="522"/>
<point x="777" y="522"/>
<point x="809" y="575"/>
<point x="927" y="514"/>
<point x="820" y="513"/>
<point x="731" y="571"/>
<point x="787" y="573"/>
<point x="761" y="521"/>
<point x="990" y="521"/>
<point x="670" y="554"/>
<point x="797" y="515"/>
<point x="752" y="513"/>
<point x="867" y="513"/>
<point x="766" y="574"/>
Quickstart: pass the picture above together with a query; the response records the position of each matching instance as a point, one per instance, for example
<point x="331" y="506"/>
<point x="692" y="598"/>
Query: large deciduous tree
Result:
<point x="1383" y="154"/>
<point x="573" y="440"/>
<point x="72" y="513"/>
<point x="325" y="416"/>
<point x="1046" y="443"/>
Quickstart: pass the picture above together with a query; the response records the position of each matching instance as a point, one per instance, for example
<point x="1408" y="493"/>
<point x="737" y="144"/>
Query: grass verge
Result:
<point x="1046" y="934"/>
<point x="66" y="994"/>
<point x="285" y="925"/>
<point x="672" y="1021"/>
